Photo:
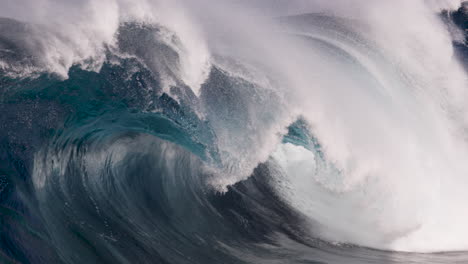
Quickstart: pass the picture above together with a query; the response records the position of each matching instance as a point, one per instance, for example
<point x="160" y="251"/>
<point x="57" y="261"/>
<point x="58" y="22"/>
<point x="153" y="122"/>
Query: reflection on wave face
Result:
<point x="233" y="131"/>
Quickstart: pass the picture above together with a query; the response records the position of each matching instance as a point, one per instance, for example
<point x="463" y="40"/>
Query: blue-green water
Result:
<point x="109" y="166"/>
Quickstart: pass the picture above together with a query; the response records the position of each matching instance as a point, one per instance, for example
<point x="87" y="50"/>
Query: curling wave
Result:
<point x="207" y="132"/>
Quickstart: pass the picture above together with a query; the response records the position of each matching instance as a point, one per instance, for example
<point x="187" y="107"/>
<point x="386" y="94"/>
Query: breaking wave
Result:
<point x="233" y="131"/>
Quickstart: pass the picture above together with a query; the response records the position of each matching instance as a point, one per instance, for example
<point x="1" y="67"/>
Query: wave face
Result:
<point x="233" y="131"/>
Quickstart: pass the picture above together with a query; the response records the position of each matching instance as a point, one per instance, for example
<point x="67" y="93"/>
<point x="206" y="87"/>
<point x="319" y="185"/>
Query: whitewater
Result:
<point x="233" y="131"/>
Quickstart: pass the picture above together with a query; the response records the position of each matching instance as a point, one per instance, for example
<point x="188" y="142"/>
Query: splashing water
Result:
<point x="248" y="131"/>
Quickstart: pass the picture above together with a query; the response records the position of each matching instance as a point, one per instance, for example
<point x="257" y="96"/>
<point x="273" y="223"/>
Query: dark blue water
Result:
<point x="106" y="167"/>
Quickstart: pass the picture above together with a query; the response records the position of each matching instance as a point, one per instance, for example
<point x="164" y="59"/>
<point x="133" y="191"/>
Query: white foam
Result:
<point x="77" y="32"/>
<point x="387" y="104"/>
<point x="389" y="115"/>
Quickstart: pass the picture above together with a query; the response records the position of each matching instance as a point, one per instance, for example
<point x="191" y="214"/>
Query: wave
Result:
<point x="208" y="131"/>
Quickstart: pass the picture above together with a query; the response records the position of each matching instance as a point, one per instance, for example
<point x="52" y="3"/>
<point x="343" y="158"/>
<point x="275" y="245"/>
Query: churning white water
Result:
<point x="377" y="82"/>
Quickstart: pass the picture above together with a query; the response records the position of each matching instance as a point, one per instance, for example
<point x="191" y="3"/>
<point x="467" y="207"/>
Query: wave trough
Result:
<point x="233" y="131"/>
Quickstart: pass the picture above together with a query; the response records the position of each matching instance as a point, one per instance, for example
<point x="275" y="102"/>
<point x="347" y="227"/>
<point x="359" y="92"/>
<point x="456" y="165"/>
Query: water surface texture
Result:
<point x="233" y="131"/>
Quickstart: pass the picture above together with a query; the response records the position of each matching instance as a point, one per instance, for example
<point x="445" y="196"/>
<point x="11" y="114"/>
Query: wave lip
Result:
<point x="177" y="132"/>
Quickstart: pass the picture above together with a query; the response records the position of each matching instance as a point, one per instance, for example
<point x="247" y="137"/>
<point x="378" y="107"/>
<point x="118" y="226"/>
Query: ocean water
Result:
<point x="266" y="131"/>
